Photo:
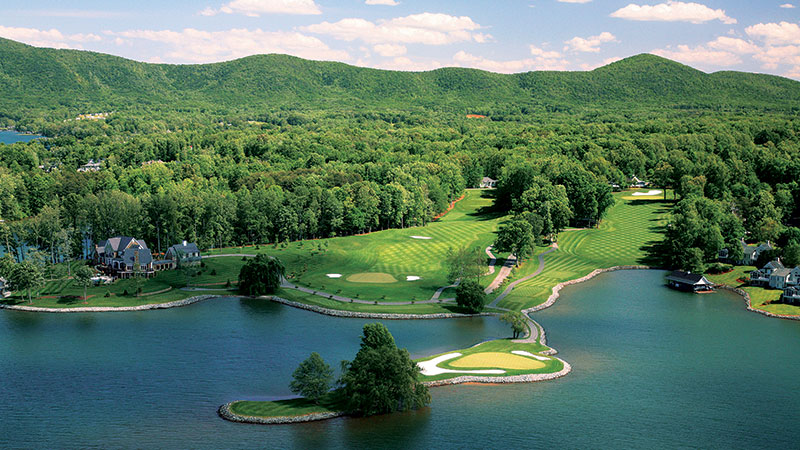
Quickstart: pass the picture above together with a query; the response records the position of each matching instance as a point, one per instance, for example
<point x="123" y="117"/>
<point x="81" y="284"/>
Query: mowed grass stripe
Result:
<point x="620" y="239"/>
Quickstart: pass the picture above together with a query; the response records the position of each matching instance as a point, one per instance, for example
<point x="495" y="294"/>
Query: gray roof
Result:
<point x="749" y="250"/>
<point x="190" y="247"/>
<point x="145" y="257"/>
<point x="783" y="273"/>
<point x="119" y="243"/>
<point x="774" y="265"/>
<point x="688" y="278"/>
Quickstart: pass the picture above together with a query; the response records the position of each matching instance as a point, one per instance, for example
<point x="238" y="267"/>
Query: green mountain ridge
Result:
<point x="34" y="78"/>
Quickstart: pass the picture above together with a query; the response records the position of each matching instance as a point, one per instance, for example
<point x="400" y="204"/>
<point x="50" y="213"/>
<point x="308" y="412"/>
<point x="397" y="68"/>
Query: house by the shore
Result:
<point x="791" y="295"/>
<point x="689" y="282"/>
<point x="119" y="255"/>
<point x="774" y="275"/>
<point x="185" y="253"/>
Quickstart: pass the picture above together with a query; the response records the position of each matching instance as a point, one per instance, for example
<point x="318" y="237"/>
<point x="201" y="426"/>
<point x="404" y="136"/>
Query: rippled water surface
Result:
<point x="652" y="368"/>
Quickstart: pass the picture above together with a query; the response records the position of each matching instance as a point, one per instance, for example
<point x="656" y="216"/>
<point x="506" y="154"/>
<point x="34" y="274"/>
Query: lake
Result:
<point x="651" y="368"/>
<point x="10" y="137"/>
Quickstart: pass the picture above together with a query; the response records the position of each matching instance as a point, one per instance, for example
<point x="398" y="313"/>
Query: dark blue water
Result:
<point x="653" y="368"/>
<point x="10" y="137"/>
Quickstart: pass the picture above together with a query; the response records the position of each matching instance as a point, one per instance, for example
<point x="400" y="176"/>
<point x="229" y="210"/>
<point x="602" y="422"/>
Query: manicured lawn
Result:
<point x="285" y="408"/>
<point x="622" y="238"/>
<point x="375" y="266"/>
<point x="760" y="298"/>
<point x="66" y="293"/>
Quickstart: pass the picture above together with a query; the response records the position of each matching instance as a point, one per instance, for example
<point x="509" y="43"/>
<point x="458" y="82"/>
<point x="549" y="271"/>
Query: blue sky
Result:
<point x="500" y="36"/>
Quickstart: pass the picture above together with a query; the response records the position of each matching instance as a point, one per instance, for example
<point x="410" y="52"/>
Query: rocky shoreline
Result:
<point x="750" y="307"/>
<point x="365" y="315"/>
<point x="225" y="412"/>
<point x="175" y="304"/>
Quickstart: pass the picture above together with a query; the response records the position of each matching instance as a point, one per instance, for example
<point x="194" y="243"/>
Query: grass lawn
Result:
<point x="66" y="293"/>
<point x="375" y="266"/>
<point x="285" y="408"/>
<point x="629" y="229"/>
<point x="760" y="298"/>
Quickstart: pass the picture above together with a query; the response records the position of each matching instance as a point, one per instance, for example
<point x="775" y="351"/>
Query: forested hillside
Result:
<point x="68" y="81"/>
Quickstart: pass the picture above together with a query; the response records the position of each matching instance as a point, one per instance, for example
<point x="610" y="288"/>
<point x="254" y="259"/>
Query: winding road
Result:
<point x="514" y="284"/>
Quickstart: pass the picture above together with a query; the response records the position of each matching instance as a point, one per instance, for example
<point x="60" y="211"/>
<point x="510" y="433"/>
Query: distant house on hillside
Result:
<point x="91" y="166"/>
<point x="487" y="182"/>
<point x="636" y="182"/>
<point x="183" y="253"/>
<point x="689" y="282"/>
<point x="752" y="252"/>
<point x="4" y="291"/>
<point x="118" y="255"/>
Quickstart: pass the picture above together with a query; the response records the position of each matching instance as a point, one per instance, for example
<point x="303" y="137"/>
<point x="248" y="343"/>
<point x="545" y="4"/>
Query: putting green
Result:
<point x="496" y="360"/>
<point x="371" y="277"/>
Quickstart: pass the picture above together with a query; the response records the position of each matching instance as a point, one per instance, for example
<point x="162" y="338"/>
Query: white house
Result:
<point x="4" y="291"/>
<point x="752" y="252"/>
<point x="487" y="182"/>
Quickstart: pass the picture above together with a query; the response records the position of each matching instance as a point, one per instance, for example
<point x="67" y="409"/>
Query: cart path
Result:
<point x="514" y="284"/>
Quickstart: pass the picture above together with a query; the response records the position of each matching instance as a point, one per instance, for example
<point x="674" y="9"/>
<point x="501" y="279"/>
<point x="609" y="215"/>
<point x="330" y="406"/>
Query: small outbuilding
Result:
<point x="689" y="282"/>
<point x="4" y="291"/>
<point x="487" y="182"/>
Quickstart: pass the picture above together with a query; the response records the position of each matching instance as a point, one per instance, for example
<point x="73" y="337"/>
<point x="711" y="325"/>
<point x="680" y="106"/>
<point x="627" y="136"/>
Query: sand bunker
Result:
<point x="334" y="275"/>
<point x="429" y="367"/>
<point x="413" y="278"/>
<point x="524" y="353"/>
<point x="649" y="193"/>
<point x="497" y="359"/>
<point x="421" y="237"/>
<point x="371" y="277"/>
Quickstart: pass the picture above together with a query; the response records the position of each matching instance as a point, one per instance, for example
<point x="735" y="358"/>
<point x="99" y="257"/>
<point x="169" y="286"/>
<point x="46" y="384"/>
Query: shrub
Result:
<point x="228" y="284"/>
<point x="125" y="292"/>
<point x="107" y="294"/>
<point x="213" y="271"/>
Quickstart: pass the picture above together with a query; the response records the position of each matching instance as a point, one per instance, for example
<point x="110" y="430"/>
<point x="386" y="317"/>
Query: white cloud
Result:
<point x="574" y="1"/>
<point x="699" y="55"/>
<point x="390" y="50"/>
<point x="465" y="59"/>
<point x="734" y="45"/>
<point x="196" y="46"/>
<point x="590" y="44"/>
<point x="254" y="8"/>
<point x="425" y="28"/>
<point x="787" y="6"/>
<point x="545" y="54"/>
<point x="382" y="2"/>
<point x="673" y="11"/>
<point x="794" y="72"/>
<point x="52" y="38"/>
<point x="775" y="33"/>
<point x="772" y="57"/>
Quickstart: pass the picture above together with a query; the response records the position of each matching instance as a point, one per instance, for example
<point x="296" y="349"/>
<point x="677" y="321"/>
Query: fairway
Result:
<point x="496" y="360"/>
<point x="622" y="238"/>
<point x="371" y="277"/>
<point x="371" y="265"/>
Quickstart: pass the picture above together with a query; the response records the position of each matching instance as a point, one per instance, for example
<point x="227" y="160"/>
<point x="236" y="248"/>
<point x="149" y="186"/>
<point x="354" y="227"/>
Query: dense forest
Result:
<point x="274" y="148"/>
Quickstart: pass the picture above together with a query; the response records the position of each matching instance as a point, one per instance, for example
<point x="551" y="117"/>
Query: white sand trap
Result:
<point x="649" y="193"/>
<point x="429" y="367"/>
<point x="421" y="237"/>
<point x="413" y="278"/>
<point x="334" y="275"/>
<point x="524" y="353"/>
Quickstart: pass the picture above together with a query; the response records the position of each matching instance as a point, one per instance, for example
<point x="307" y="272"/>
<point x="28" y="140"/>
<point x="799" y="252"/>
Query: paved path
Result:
<point x="511" y="261"/>
<point x="514" y="284"/>
<point x="228" y="254"/>
<point x="492" y="261"/>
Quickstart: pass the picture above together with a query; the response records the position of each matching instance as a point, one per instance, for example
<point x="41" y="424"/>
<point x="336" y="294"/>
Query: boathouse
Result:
<point x="687" y="281"/>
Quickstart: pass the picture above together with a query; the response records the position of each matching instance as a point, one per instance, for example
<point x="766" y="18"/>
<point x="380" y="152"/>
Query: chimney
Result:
<point x="185" y="243"/>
